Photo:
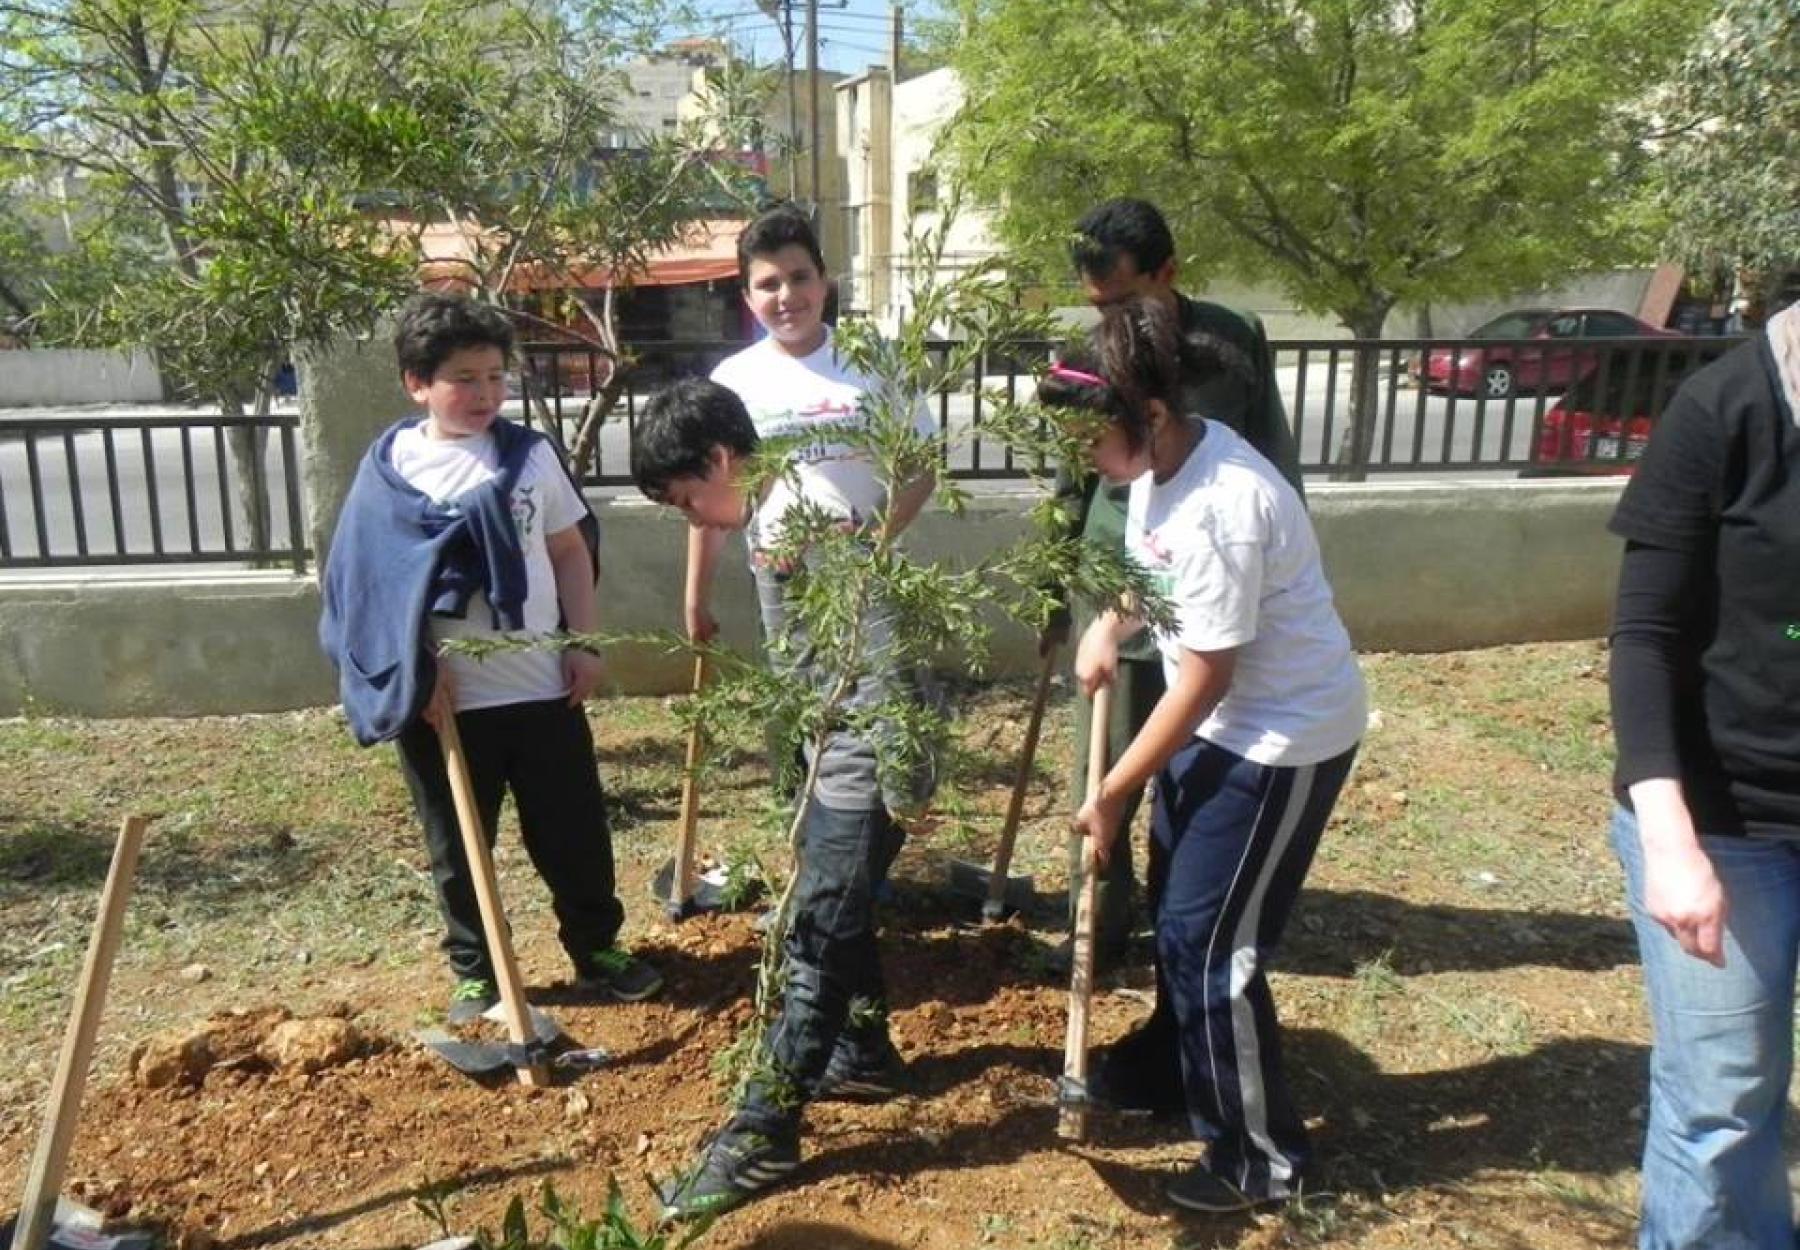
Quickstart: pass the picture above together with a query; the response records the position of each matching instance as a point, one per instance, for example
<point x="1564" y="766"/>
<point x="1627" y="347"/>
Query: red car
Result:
<point x="1516" y="363"/>
<point x="1603" y="422"/>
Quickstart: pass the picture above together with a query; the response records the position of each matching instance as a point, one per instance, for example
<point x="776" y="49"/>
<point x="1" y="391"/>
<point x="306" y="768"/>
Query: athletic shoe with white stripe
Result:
<point x="736" y="1165"/>
<point x="1199" y="1189"/>
<point x="862" y="1073"/>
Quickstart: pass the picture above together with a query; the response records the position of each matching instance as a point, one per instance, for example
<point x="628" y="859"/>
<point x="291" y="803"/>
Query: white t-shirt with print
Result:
<point x="543" y="502"/>
<point x="814" y="395"/>
<point x="1229" y="543"/>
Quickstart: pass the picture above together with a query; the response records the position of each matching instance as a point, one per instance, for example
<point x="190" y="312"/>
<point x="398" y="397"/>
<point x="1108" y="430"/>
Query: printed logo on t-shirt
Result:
<point x="1793" y="631"/>
<point x="818" y="420"/>
<point x="524" y="509"/>
<point x="1159" y="562"/>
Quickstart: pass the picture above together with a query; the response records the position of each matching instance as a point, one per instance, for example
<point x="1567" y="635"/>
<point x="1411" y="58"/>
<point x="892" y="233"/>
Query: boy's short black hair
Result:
<point x="680" y="427"/>
<point x="434" y="325"/>
<point x="782" y="225"/>
<point x="1122" y="227"/>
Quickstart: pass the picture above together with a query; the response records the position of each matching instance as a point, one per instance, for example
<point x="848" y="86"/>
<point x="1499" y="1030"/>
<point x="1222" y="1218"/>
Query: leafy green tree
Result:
<point x="262" y="175"/>
<point x="1729" y="172"/>
<point x="1355" y="153"/>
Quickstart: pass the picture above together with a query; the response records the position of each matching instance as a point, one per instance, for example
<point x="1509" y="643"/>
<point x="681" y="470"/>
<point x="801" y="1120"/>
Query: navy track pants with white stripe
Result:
<point x="1231" y="842"/>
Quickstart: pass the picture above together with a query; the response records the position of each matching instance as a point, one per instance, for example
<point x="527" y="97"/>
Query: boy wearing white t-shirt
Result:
<point x="831" y="1038"/>
<point x="1249" y="746"/>
<point x="465" y="526"/>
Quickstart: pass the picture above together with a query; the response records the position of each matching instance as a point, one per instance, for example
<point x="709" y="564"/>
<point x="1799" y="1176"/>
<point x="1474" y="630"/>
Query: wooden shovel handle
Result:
<point x="681" y="887"/>
<point x="1071" y="1119"/>
<point x="44" y="1181"/>
<point x="1015" y="807"/>
<point x="487" y="893"/>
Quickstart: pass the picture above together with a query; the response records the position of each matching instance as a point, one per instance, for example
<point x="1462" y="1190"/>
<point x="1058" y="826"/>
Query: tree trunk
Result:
<point x="1358" y="439"/>
<point x="249" y="456"/>
<point x="593" y="417"/>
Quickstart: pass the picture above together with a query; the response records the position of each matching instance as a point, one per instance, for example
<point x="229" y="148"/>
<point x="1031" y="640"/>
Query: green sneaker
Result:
<point x="731" y="1169"/>
<point x="618" y="974"/>
<point x="470" y="999"/>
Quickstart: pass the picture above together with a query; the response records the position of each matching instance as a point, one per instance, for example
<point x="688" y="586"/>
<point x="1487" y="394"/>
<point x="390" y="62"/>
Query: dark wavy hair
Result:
<point x="435" y="325"/>
<point x="1136" y="352"/>
<point x="1139" y="353"/>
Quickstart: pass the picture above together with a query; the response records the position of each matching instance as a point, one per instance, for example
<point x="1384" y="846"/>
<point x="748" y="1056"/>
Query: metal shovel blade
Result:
<point x="975" y="882"/>
<point x="481" y="1058"/>
<point x="708" y="895"/>
<point x="76" y="1227"/>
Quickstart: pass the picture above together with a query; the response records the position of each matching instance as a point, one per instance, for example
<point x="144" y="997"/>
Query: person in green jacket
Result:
<point x="1123" y="249"/>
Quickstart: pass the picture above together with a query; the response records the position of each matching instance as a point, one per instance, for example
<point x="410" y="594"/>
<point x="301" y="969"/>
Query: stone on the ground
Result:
<point x="312" y="1045"/>
<point x="196" y="973"/>
<point x="180" y="1057"/>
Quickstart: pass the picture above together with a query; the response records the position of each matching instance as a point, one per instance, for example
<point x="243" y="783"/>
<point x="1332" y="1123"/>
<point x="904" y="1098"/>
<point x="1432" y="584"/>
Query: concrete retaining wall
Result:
<point x="1416" y="567"/>
<point x="38" y="378"/>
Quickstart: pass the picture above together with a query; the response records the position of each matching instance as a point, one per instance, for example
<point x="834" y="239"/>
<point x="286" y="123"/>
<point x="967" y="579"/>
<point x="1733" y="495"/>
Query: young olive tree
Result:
<point x="861" y="605"/>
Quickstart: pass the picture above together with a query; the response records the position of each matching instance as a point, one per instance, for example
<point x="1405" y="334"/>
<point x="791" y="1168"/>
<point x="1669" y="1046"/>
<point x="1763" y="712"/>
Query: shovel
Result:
<point x="529" y="1031"/>
<point x="44" y="1220"/>
<point x="1000" y="893"/>
<point x="683" y="891"/>
<point x="1072" y="1089"/>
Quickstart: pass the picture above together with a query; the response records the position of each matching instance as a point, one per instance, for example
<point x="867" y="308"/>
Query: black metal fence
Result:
<point x="1522" y="406"/>
<point x="559" y="378"/>
<point x="80" y="491"/>
<point x="1535" y="407"/>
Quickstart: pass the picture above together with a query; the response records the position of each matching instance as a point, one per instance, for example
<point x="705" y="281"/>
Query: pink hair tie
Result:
<point x="1060" y="370"/>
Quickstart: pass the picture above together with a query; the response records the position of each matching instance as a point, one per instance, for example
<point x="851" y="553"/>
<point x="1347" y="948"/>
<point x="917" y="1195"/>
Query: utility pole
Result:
<point x="781" y="12"/>
<point x="895" y="36"/>
<point x="793" y="152"/>
<point x="812" y="97"/>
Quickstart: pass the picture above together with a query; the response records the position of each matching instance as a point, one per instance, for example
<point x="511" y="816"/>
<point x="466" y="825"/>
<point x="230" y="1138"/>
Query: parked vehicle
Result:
<point x="1603" y="421"/>
<point x="1511" y="359"/>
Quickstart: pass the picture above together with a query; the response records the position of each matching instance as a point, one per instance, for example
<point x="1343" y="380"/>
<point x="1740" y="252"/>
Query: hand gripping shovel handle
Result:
<point x="1071" y="1117"/>
<point x="44" y="1181"/>
<point x="681" y="882"/>
<point x="1015" y="807"/>
<point x="519" y="1029"/>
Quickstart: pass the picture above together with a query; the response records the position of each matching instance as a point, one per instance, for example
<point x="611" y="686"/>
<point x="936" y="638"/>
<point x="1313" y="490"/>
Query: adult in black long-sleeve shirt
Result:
<point x="1706" y="712"/>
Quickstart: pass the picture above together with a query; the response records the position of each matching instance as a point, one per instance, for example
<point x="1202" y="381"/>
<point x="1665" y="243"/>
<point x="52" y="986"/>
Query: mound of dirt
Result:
<point x="264" y="1038"/>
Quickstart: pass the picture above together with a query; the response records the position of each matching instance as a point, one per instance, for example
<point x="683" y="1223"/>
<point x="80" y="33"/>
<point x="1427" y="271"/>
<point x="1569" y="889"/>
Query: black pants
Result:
<point x="543" y="753"/>
<point x="835" y="990"/>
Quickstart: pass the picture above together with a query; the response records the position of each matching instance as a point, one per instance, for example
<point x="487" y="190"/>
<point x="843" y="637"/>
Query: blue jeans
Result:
<point x="1722" y="1054"/>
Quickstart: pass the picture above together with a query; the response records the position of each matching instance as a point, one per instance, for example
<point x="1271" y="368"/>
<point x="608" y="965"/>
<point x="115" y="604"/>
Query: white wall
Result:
<point x="38" y="378"/>
<point x="1415" y="567"/>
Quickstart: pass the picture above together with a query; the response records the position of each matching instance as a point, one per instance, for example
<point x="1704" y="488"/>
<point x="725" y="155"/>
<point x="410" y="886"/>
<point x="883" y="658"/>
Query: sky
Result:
<point x="853" y="34"/>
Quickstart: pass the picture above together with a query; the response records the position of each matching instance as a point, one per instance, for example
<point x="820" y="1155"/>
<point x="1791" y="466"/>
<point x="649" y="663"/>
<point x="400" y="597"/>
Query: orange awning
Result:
<point x="709" y="254"/>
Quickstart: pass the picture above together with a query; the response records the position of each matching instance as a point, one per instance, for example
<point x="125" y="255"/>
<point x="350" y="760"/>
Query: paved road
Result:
<point x="1414" y="436"/>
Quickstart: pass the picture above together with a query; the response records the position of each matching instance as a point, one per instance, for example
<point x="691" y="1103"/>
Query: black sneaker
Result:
<point x="617" y="973"/>
<point x="1201" y="1190"/>
<point x="1123" y="1079"/>
<point x="862" y="1074"/>
<point x="471" y="997"/>
<point x="732" y="1168"/>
